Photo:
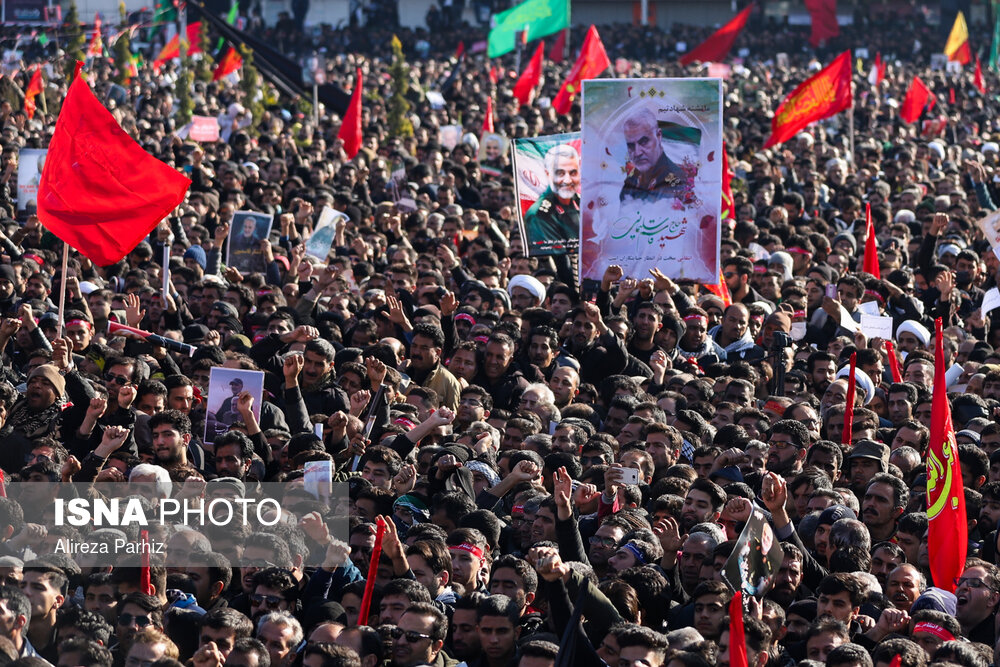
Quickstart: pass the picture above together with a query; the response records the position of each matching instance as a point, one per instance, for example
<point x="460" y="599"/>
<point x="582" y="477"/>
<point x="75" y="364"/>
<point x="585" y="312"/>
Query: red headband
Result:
<point x="84" y="323"/>
<point x="759" y="269"/>
<point x="933" y="629"/>
<point x="468" y="548"/>
<point x="694" y="317"/>
<point x="775" y="406"/>
<point x="871" y="292"/>
<point x="517" y="509"/>
<point x="799" y="313"/>
<point x="797" y="250"/>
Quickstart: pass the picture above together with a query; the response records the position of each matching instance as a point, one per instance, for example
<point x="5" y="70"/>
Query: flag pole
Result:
<point x="851" y="123"/>
<point x="62" y="289"/>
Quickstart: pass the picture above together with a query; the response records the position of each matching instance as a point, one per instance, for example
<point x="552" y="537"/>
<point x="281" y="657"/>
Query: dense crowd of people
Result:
<point x="552" y="473"/>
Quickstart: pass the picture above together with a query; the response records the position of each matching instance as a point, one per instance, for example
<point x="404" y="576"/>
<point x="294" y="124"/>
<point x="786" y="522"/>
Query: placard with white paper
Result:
<point x="876" y="326"/>
<point x="990" y="300"/>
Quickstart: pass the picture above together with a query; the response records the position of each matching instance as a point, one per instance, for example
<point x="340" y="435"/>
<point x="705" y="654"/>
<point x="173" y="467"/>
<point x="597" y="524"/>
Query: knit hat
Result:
<point x="197" y="253"/>
<point x="835" y="513"/>
<point x="846" y="237"/>
<point x="51" y="374"/>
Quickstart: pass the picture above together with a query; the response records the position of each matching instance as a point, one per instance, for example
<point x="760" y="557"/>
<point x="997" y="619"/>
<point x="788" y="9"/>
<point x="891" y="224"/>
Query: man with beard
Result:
<point x="36" y="414"/>
<point x="647" y="322"/>
<point x="497" y="619"/>
<point x="788" y="440"/>
<point x="171" y="431"/>
<point x="883" y="503"/>
<point x="788" y="580"/>
<point x="465" y="644"/>
<point x="604" y="543"/>
<point x="554" y="220"/>
<point x="419" y="636"/>
<point x="695" y="343"/>
<point x="273" y="589"/>
<point x="902" y="398"/>
<point x="733" y="335"/>
<point x="600" y="352"/>
<point x="499" y="375"/>
<point x="513" y="578"/>
<point x="316" y="383"/>
<point x="425" y="367"/>
<point x="702" y="504"/>
<point x="651" y="174"/>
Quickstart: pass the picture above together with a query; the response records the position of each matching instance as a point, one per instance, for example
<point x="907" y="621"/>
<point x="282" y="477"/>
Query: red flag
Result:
<point x="827" y="93"/>
<point x="173" y="47"/>
<point x="96" y="48"/>
<point x="852" y="387"/>
<point x="728" y="203"/>
<point x="350" y="128"/>
<point x="34" y="88"/>
<point x="737" y="638"/>
<point x="145" y="580"/>
<point x="947" y="528"/>
<point x="230" y="62"/>
<point x="524" y="89"/>
<point x="915" y="101"/>
<point x="460" y="51"/>
<point x="3" y="485"/>
<point x="100" y="192"/>
<point x="721" y="290"/>
<point x="879" y="68"/>
<point x="372" y="571"/>
<point x="494" y="77"/>
<point x="951" y="96"/>
<point x="558" y="52"/>
<point x="871" y="249"/>
<point x="592" y="62"/>
<point x="488" y="119"/>
<point x="978" y="78"/>
<point x="715" y="48"/>
<point x="890" y="350"/>
<point x="823" y="14"/>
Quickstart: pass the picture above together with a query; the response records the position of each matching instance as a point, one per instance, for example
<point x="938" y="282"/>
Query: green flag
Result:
<point x="538" y="17"/>
<point x="234" y="13"/>
<point x="163" y="12"/>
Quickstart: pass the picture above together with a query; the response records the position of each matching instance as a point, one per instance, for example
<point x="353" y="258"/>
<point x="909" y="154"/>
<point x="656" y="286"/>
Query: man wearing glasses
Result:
<point x="419" y="637"/>
<point x="978" y="593"/>
<point x="136" y="612"/>
<point x="274" y="589"/>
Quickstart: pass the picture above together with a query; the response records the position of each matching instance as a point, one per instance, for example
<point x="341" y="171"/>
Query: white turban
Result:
<point x="530" y="283"/>
<point x="917" y="329"/>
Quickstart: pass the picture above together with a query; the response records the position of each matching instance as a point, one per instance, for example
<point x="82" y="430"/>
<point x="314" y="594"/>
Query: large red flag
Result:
<point x="525" y="87"/>
<point x="100" y="192"/>
<point x="947" y="528"/>
<point x="978" y="79"/>
<point x="737" y="636"/>
<point x="173" y="47"/>
<point x="915" y="101"/>
<point x="871" y="248"/>
<point x="230" y="62"/>
<point x="558" y="52"/>
<point x="350" y="128"/>
<point x="852" y="387"/>
<point x="34" y="88"/>
<point x="715" y="48"/>
<point x="826" y="93"/>
<point x="823" y="15"/>
<point x="592" y="62"/>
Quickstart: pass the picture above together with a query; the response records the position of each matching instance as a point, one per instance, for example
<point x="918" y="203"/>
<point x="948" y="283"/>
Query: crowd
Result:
<point x="560" y="473"/>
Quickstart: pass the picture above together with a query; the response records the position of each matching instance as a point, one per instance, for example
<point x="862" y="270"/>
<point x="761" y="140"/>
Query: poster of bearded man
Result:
<point x="651" y="183"/>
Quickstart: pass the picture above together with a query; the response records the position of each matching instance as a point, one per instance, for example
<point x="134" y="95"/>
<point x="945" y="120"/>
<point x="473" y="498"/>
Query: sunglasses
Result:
<point x="127" y="619"/>
<point x="119" y="379"/>
<point x="411" y="636"/>
<point x="272" y="601"/>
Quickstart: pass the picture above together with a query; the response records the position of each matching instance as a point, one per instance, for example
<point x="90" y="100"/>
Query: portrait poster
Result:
<point x="246" y="231"/>
<point x="319" y="242"/>
<point x="651" y="192"/>
<point x="30" y="162"/>
<point x="547" y="181"/>
<point x="224" y="387"/>
<point x="756" y="559"/>
<point x="492" y="149"/>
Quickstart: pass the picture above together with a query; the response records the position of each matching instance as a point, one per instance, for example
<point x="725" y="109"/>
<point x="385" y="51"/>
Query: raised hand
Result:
<point x="134" y="313"/>
<point x="291" y="367"/>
